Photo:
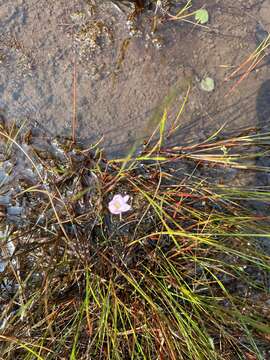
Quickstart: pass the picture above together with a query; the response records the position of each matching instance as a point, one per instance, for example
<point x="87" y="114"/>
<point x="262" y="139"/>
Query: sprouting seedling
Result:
<point x="201" y="15"/>
<point x="224" y="150"/>
<point x="159" y="7"/>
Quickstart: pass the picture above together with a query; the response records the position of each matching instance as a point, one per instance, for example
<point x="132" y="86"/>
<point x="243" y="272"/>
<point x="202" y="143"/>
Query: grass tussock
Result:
<point x="183" y="275"/>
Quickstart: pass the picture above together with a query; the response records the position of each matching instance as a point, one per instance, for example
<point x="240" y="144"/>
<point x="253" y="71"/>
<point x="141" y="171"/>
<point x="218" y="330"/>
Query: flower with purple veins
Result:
<point x="118" y="204"/>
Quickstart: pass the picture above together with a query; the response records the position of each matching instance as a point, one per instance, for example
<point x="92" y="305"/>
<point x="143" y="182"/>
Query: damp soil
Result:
<point x="124" y="71"/>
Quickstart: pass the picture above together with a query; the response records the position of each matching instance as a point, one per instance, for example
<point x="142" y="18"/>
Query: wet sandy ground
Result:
<point x="121" y="100"/>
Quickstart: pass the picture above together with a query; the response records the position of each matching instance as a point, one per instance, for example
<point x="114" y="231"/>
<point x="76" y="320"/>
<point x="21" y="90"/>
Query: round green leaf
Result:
<point x="207" y="84"/>
<point x="202" y="16"/>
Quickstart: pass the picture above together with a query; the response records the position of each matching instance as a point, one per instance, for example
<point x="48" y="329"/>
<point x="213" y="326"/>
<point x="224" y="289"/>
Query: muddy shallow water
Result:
<point x="122" y="80"/>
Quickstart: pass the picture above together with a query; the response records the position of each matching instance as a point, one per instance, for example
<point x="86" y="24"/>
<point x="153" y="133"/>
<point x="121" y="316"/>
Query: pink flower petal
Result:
<point x="125" y="208"/>
<point x="113" y="209"/>
<point x="126" y="198"/>
<point x="118" y="204"/>
<point x="117" y="197"/>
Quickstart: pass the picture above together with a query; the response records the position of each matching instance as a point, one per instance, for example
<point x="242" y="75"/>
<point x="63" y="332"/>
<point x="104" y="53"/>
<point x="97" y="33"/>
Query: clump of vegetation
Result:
<point x="136" y="258"/>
